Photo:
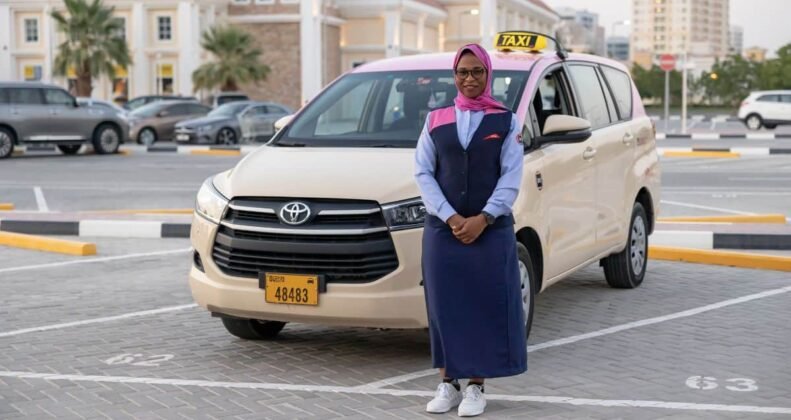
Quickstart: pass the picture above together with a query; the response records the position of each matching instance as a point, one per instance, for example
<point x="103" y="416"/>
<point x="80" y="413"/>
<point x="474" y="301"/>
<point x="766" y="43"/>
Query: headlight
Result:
<point x="210" y="203"/>
<point x="204" y="128"/>
<point x="408" y="214"/>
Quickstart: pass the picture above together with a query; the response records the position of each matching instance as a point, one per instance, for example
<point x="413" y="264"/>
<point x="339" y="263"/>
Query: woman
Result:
<point x="469" y="168"/>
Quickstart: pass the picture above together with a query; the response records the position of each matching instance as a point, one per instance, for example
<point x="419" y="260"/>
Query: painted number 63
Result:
<point x="707" y="383"/>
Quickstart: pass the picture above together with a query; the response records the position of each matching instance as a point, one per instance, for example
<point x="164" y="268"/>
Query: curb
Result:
<point x="127" y="149"/>
<point x="102" y="228"/>
<point x="142" y="211"/>
<point x="730" y="259"/>
<point x="757" y="218"/>
<point x="39" y="243"/>
<point x="719" y="136"/>
<point x="713" y="240"/>
<point x="6" y="206"/>
<point x="721" y="152"/>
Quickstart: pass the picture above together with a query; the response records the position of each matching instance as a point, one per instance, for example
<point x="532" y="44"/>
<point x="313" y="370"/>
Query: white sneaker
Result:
<point x="444" y="400"/>
<point x="474" y="401"/>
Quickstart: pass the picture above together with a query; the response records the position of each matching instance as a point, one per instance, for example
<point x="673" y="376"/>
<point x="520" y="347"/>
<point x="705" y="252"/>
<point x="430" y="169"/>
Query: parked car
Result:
<point x="145" y="100"/>
<point x="98" y="103"/>
<point x="766" y="109"/>
<point x="37" y="113"/>
<point x="156" y="121"/>
<point x="231" y="122"/>
<point x="223" y="98"/>
<point x="330" y="206"/>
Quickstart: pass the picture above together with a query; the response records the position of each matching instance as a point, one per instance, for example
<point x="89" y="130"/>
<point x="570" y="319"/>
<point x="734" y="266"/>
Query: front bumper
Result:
<point x="393" y="301"/>
<point x="184" y="135"/>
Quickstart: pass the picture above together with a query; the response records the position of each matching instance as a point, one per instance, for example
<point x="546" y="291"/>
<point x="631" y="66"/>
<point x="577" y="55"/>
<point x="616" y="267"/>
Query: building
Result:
<point x="756" y="54"/>
<point x="699" y="29"/>
<point x="736" y="43"/>
<point x="163" y="37"/>
<point x="579" y="31"/>
<point x="618" y="48"/>
<point x="306" y="43"/>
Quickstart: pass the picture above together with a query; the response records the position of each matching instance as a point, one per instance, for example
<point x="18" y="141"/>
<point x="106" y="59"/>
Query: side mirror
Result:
<point x="283" y="121"/>
<point x="564" y="129"/>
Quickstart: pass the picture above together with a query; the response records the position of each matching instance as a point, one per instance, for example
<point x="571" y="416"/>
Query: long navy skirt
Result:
<point x="474" y="301"/>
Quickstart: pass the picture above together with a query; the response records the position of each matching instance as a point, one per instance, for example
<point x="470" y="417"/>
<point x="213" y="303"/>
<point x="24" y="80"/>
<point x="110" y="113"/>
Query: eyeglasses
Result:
<point x="476" y="73"/>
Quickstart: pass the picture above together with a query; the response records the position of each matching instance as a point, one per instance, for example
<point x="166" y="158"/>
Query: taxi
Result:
<point x="323" y="224"/>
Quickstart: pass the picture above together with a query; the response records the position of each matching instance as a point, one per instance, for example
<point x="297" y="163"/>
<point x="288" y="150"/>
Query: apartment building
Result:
<point x="698" y="28"/>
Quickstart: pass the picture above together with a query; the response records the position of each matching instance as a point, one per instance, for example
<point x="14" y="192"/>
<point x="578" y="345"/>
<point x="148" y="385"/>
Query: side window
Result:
<point x="3" y="96"/>
<point x="551" y="98"/>
<point x="786" y="98"/>
<point x="591" y="95"/>
<point x="25" y="96"/>
<point x="621" y="86"/>
<point x="769" y="98"/>
<point x="197" y="109"/>
<point x="58" y="97"/>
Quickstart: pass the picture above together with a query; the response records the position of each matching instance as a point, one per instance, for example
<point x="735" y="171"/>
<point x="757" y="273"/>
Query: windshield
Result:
<point x="149" y="110"/>
<point x="231" y="98"/>
<point x="229" y="110"/>
<point x="385" y="109"/>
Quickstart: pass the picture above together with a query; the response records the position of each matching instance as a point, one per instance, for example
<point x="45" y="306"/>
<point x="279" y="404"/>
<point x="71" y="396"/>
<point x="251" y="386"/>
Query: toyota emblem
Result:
<point x="295" y="213"/>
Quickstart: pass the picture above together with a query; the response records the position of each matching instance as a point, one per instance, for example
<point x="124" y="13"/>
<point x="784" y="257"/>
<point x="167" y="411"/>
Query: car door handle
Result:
<point x="628" y="138"/>
<point x="589" y="153"/>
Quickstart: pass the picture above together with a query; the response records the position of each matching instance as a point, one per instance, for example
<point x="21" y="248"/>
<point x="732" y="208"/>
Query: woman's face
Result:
<point x="470" y="76"/>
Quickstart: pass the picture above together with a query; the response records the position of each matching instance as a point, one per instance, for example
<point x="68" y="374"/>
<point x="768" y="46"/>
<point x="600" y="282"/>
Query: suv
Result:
<point x="36" y="113"/>
<point x="766" y="109"/>
<point x="324" y="223"/>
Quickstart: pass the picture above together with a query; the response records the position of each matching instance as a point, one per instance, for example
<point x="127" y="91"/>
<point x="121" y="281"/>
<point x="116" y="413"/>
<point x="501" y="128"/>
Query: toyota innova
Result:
<point x="323" y="225"/>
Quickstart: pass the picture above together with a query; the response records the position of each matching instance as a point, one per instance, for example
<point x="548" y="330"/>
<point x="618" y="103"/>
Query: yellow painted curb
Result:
<point x="701" y="154"/>
<point x="143" y="211"/>
<point x="216" y="152"/>
<point x="754" y="218"/>
<point x="124" y="152"/>
<point x="40" y="243"/>
<point x="6" y="206"/>
<point x="726" y="258"/>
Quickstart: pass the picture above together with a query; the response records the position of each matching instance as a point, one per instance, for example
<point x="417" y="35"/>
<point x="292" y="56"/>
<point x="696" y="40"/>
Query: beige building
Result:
<point x="756" y="54"/>
<point x="698" y="28"/>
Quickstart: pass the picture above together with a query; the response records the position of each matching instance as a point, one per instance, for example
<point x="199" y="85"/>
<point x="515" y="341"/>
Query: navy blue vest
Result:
<point x="468" y="177"/>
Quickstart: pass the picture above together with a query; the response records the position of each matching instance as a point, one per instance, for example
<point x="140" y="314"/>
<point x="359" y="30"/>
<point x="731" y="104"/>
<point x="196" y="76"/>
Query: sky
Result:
<point x="766" y="23"/>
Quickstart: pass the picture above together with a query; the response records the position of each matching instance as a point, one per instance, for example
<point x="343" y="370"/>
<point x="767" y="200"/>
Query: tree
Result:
<point x="235" y="60"/>
<point x="93" y="46"/>
<point x="651" y="83"/>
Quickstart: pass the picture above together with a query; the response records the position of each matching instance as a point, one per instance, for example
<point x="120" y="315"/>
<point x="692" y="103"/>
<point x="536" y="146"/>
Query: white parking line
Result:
<point x="697" y="206"/>
<point x="97" y="320"/>
<point x="94" y="260"/>
<point x="594" y="334"/>
<point x="670" y="405"/>
<point x="40" y="200"/>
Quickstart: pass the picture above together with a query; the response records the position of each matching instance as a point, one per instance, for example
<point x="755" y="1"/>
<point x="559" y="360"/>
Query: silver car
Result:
<point x="36" y="113"/>
<point x="232" y="122"/>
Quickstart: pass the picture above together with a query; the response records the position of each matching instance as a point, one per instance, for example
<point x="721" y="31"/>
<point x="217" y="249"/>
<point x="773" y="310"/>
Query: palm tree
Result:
<point x="93" y="46"/>
<point x="236" y="60"/>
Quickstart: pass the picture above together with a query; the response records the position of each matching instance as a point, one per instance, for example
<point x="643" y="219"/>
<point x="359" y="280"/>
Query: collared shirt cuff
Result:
<point x="445" y="212"/>
<point x="494" y="210"/>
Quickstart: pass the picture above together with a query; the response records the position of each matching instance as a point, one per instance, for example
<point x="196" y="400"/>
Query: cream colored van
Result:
<point x="323" y="225"/>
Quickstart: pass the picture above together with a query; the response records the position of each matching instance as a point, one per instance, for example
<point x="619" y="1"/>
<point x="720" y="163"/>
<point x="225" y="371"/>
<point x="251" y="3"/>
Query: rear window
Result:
<point x="25" y="96"/>
<point x="621" y="86"/>
<point x="591" y="95"/>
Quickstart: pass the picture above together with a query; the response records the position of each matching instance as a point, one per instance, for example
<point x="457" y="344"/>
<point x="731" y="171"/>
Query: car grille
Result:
<point x="346" y="241"/>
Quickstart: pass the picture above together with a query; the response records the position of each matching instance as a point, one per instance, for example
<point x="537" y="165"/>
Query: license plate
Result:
<point x="294" y="289"/>
<point x="182" y="137"/>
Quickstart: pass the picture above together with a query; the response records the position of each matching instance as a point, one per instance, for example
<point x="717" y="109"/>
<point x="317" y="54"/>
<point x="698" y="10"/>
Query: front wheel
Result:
<point x="6" y="143"/>
<point x="226" y="136"/>
<point x="252" y="329"/>
<point x="626" y="269"/>
<point x="527" y="278"/>
<point x="754" y="122"/>
<point x="106" y="139"/>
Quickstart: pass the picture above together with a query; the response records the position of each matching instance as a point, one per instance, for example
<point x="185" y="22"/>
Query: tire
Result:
<point x="754" y="122"/>
<point x="626" y="269"/>
<point x="106" y="139"/>
<point x="528" y="279"/>
<point x="147" y="136"/>
<point x="69" y="149"/>
<point x="252" y="329"/>
<point x="6" y="143"/>
<point x="226" y="136"/>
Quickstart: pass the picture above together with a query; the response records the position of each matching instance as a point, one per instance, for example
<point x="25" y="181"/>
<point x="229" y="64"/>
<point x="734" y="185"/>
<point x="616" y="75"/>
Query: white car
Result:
<point x="766" y="109"/>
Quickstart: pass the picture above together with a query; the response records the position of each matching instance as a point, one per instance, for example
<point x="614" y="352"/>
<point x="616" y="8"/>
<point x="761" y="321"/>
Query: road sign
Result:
<point x="667" y="62"/>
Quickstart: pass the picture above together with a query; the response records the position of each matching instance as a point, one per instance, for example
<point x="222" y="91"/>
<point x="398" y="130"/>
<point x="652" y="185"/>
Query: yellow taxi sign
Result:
<point x="520" y="41"/>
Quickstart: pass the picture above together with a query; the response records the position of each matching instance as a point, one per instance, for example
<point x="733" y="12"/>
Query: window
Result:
<point x="591" y="96"/>
<point x="197" y="109"/>
<point x="25" y="96"/>
<point x="58" y="97"/>
<point x="785" y="98"/>
<point x="31" y="30"/>
<point x="621" y="87"/>
<point x="164" y="28"/>
<point x="551" y="98"/>
<point x="769" y="98"/>
<point x="3" y="96"/>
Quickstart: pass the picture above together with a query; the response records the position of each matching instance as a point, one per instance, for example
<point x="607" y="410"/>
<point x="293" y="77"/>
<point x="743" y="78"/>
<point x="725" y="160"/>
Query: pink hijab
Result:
<point x="484" y="102"/>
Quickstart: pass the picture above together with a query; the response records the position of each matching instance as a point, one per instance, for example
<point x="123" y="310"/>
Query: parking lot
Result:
<point x="117" y="335"/>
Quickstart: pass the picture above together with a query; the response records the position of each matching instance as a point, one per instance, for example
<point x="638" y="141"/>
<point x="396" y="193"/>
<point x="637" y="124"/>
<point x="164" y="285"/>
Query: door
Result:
<point x="259" y="122"/>
<point x="569" y="175"/>
<point x="66" y="121"/>
<point x="785" y="115"/>
<point x="768" y="106"/>
<point x="169" y="117"/>
<point x="28" y="114"/>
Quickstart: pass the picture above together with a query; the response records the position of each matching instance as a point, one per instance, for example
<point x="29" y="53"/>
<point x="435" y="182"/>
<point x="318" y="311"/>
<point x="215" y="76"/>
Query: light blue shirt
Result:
<point x="511" y="155"/>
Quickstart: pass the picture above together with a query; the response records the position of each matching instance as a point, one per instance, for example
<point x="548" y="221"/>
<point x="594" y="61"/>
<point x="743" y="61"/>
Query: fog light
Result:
<point x="197" y="261"/>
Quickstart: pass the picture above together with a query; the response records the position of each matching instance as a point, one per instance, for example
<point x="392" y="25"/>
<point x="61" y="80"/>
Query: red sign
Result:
<point x="667" y="62"/>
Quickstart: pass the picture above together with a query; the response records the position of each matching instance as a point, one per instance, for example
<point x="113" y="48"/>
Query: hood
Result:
<point x="382" y="175"/>
<point x="195" y="122"/>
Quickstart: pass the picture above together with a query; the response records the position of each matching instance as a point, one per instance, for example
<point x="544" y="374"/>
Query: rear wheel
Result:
<point x="626" y="269"/>
<point x="527" y="278"/>
<point x="252" y="329"/>
<point x="69" y="149"/>
<point x="106" y="139"/>
<point x="754" y="122"/>
<point x="6" y="143"/>
<point x="226" y="136"/>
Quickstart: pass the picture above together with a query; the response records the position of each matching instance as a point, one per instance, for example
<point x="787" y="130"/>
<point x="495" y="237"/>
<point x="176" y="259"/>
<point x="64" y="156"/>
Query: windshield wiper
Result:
<point x="281" y="144"/>
<point x="387" y="146"/>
